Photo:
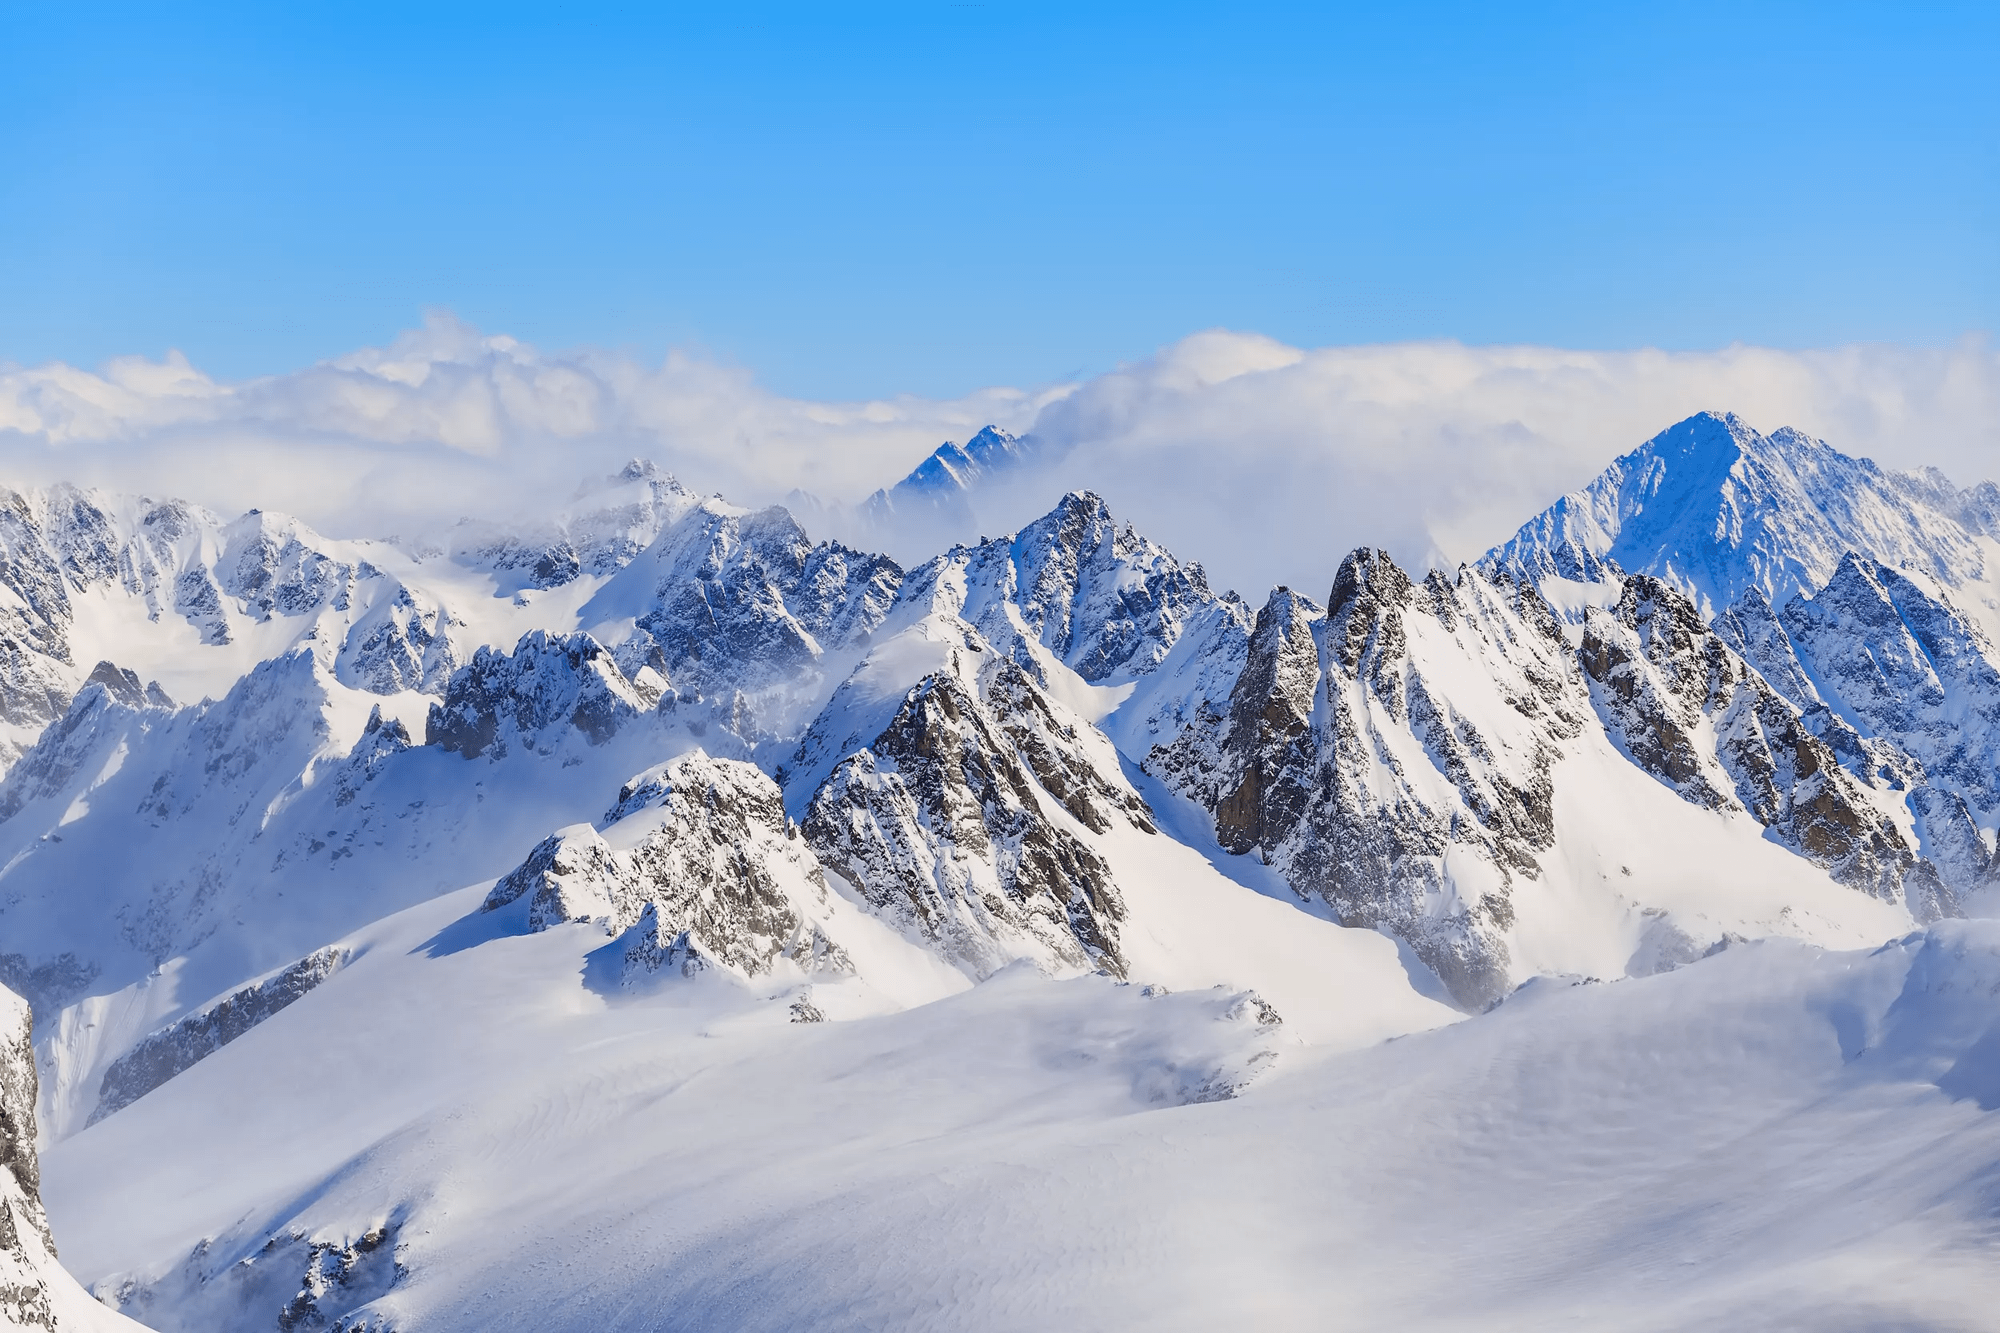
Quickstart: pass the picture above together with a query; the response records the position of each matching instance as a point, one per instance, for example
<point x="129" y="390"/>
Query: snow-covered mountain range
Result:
<point x="719" y="878"/>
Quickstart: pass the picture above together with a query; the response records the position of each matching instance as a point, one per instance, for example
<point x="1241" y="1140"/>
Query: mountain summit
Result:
<point x="1714" y="508"/>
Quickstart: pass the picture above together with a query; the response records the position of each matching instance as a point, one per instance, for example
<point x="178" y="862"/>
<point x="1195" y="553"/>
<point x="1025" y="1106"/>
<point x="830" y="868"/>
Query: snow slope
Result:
<point x="447" y="1012"/>
<point x="1775" y="1137"/>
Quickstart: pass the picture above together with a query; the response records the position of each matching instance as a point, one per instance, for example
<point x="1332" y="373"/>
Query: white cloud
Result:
<point x="446" y="421"/>
<point x="1270" y="463"/>
<point x="1265" y="461"/>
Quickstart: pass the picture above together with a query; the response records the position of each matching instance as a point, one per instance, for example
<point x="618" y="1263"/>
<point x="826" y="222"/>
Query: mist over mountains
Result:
<point x="1433" y="451"/>
<point x="664" y="912"/>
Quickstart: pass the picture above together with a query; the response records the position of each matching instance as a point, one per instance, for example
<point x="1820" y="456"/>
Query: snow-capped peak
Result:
<point x="1714" y="508"/>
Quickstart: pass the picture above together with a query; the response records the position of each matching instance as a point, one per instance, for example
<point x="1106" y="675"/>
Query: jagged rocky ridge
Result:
<point x="697" y="866"/>
<point x="1867" y="598"/>
<point x="943" y="823"/>
<point x="1348" y="766"/>
<point x="172" y="1049"/>
<point x="36" y="1294"/>
<point x="1394" y="754"/>
<point x="1102" y="599"/>
<point x="27" y="1250"/>
<point x="209" y="597"/>
<point x="1694" y="714"/>
<point x="946" y="818"/>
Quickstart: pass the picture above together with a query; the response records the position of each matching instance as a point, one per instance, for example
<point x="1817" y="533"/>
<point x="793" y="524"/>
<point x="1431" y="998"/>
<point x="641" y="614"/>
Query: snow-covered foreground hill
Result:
<point x="454" y="1135"/>
<point x="655" y="918"/>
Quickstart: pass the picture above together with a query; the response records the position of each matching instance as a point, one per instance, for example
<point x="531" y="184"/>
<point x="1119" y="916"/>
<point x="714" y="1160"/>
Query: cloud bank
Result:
<point x="447" y="422"/>
<point x="1267" y="462"/>
<point x="1272" y="462"/>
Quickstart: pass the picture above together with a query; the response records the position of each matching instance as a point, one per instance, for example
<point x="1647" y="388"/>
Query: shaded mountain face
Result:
<point x="1906" y="688"/>
<point x="1865" y="598"/>
<point x="943" y="479"/>
<point x="1714" y="509"/>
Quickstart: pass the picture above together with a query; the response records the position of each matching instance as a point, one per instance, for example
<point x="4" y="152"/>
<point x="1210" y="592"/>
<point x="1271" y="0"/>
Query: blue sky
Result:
<point x="859" y="199"/>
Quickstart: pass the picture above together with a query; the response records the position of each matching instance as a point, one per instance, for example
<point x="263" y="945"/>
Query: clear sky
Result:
<point x="859" y="199"/>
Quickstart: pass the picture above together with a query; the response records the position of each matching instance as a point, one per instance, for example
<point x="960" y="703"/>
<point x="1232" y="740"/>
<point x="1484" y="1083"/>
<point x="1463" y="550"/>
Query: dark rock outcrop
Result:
<point x="172" y="1050"/>
<point x="1689" y="710"/>
<point x="701" y="863"/>
<point x="533" y="696"/>
<point x="940" y="823"/>
<point x="27" y="1250"/>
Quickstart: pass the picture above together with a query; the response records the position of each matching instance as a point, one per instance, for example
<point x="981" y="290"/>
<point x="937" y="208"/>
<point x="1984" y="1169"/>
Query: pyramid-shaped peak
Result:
<point x="1854" y="573"/>
<point x="1710" y="433"/>
<point x="991" y="439"/>
<point x="1083" y="502"/>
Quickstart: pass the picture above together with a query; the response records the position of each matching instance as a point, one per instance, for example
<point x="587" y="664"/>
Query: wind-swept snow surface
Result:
<point x="1774" y="1137"/>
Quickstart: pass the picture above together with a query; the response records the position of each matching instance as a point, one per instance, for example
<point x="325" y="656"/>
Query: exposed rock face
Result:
<point x="1252" y="765"/>
<point x="734" y="601"/>
<point x="173" y="1049"/>
<point x="1903" y="687"/>
<point x="534" y="695"/>
<point x="27" y="1250"/>
<point x="1410" y="724"/>
<point x="943" y="820"/>
<point x="1104" y="600"/>
<point x="1375" y="840"/>
<point x="700" y="863"/>
<point x="1689" y="711"/>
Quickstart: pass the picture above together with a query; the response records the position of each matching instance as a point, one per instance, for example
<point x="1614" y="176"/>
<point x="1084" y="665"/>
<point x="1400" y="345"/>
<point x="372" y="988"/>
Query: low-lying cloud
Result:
<point x="1266" y="462"/>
